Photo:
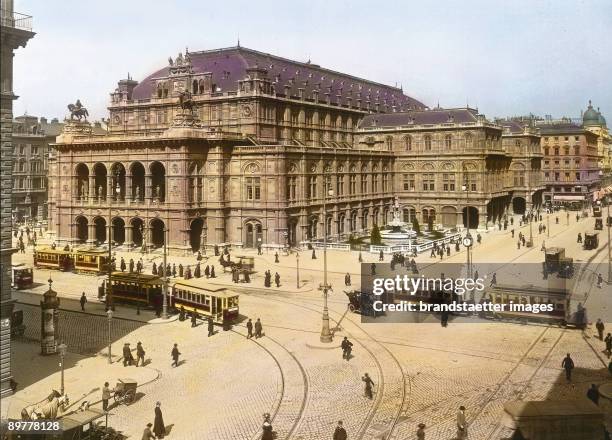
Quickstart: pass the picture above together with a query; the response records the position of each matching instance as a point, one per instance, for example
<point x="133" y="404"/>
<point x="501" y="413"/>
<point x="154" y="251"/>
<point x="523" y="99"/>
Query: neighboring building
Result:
<point x="571" y="162"/>
<point x="15" y="31"/>
<point x="450" y="166"/>
<point x="31" y="139"/>
<point x="595" y="122"/>
<point x="268" y="137"/>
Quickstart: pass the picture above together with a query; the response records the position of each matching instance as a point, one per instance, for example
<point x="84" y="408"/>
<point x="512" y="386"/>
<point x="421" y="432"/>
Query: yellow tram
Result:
<point x="195" y="295"/>
<point x="139" y="288"/>
<point x="90" y="260"/>
<point x="555" y="302"/>
<point x="49" y="258"/>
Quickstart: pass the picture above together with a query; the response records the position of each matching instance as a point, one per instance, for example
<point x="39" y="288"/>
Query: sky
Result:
<point x="505" y="57"/>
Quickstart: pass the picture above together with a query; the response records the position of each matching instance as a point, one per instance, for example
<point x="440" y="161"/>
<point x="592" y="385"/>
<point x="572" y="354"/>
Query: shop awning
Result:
<point x="568" y="198"/>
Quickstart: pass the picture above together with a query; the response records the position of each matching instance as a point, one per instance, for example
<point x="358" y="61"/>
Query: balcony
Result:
<point x="16" y="20"/>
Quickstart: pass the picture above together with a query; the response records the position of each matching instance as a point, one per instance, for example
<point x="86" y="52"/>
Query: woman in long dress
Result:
<point x="159" y="429"/>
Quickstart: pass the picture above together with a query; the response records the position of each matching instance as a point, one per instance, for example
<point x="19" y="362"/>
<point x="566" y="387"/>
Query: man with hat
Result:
<point x="461" y="424"/>
<point x="140" y="354"/>
<point x="420" y="434"/>
<point x="340" y="432"/>
<point x="127" y="355"/>
<point x="147" y="434"/>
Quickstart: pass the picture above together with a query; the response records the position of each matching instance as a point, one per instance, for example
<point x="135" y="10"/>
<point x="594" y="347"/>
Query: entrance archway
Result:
<point x="100" y="227"/>
<point x="118" y="230"/>
<point x="292" y="230"/>
<point x="195" y="234"/>
<point x="519" y="205"/>
<point x="82" y="177"/>
<point x="449" y="216"/>
<point x="118" y="181"/>
<point x="473" y="214"/>
<point x="137" y="231"/>
<point x="81" y="229"/>
<point x="100" y="181"/>
<point x="158" y="181"/>
<point x="253" y="233"/>
<point x="312" y="227"/>
<point x="157" y="232"/>
<point x="138" y="182"/>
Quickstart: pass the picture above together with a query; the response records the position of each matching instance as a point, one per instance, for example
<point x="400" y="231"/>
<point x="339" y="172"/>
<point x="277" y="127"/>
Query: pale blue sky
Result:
<point x="506" y="57"/>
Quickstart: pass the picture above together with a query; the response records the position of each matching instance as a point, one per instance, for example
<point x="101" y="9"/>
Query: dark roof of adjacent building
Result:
<point x="560" y="128"/>
<point x="423" y="117"/>
<point x="229" y="65"/>
<point x="513" y="127"/>
<point x="27" y="125"/>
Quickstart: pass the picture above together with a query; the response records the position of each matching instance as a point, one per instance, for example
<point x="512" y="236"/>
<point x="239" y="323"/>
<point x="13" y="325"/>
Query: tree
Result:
<point x="375" y="237"/>
<point x="430" y="224"/>
<point x="415" y="225"/>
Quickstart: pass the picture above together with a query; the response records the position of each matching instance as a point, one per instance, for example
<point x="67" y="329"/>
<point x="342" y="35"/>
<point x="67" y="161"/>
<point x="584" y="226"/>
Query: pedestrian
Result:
<point x="259" y="252"/>
<point x="131" y="265"/>
<point x="340" y="432"/>
<point x="139" y="266"/>
<point x="127" y="355"/>
<point x="448" y="251"/>
<point x="175" y="355"/>
<point x="579" y="240"/>
<point x="168" y="270"/>
<point x="106" y="395"/>
<point x="600" y="328"/>
<point x="610" y="366"/>
<point x="568" y="365"/>
<point x="276" y="260"/>
<point x="83" y="300"/>
<point x="368" y="386"/>
<point x="433" y="253"/>
<point x="420" y="434"/>
<point x="457" y="247"/>
<point x="543" y="248"/>
<point x="154" y="269"/>
<point x="122" y="265"/>
<point x="212" y="272"/>
<point x="360" y="258"/>
<point x="140" y="354"/>
<point x="314" y="256"/>
<point x="593" y="394"/>
<point x="266" y="428"/>
<point x="494" y="279"/>
<point x="207" y="271"/>
<point x="159" y="428"/>
<point x="258" y="329"/>
<point x="347" y="279"/>
<point x="347" y="347"/>
<point x="373" y="268"/>
<point x="182" y="314"/>
<point x="211" y="327"/>
<point x="599" y="280"/>
<point x="249" y="326"/>
<point x="197" y="271"/>
<point x="199" y="257"/>
<point x="194" y="319"/>
<point x="479" y="238"/>
<point x="518" y="244"/>
<point x="277" y="279"/>
<point x="180" y="270"/>
<point x="461" y="424"/>
<point x="608" y="342"/>
<point x="147" y="434"/>
<point x="188" y="273"/>
<point x="381" y="256"/>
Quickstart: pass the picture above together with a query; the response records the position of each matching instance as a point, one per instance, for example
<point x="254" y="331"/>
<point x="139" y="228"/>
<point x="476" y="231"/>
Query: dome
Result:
<point x="590" y="117"/>
<point x="602" y="120"/>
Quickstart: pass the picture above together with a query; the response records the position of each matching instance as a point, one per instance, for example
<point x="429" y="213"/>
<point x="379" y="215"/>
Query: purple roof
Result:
<point x="435" y="116"/>
<point x="229" y="65"/>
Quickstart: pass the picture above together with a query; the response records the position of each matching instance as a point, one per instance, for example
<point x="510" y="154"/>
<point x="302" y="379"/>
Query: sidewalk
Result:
<point x="84" y="377"/>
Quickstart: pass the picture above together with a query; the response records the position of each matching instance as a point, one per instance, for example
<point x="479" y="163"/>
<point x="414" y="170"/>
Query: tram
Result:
<point x="207" y="301"/>
<point x="49" y="258"/>
<point x="137" y="288"/>
<point x="22" y="276"/>
<point x="90" y="260"/>
<point x="558" y="300"/>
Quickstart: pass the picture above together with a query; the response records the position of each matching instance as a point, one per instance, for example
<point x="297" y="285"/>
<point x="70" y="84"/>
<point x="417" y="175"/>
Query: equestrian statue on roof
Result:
<point x="77" y="110"/>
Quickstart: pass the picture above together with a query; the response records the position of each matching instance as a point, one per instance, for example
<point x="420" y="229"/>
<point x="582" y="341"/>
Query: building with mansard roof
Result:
<point x="226" y="146"/>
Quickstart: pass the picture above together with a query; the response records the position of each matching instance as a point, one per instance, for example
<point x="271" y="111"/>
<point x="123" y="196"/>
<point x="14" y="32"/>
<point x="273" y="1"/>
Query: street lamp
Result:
<point x="467" y="241"/>
<point x="326" y="335"/>
<point x="297" y="267"/>
<point x="109" y="315"/>
<point x="62" y="350"/>
<point x="165" y="280"/>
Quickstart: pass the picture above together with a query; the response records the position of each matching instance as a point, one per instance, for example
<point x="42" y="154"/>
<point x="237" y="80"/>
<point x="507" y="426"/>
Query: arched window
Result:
<point x="448" y="141"/>
<point x="194" y="87"/>
<point x="468" y="141"/>
<point x="427" y="143"/>
<point x="408" y="143"/>
<point x="389" y="143"/>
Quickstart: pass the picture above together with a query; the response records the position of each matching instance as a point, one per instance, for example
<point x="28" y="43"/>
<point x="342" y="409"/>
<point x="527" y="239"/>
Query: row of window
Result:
<point x="37" y="183"/>
<point x="566" y="138"/>
<point x="22" y="148"/>
<point x="342" y="186"/>
<point x="557" y="176"/>
<point x="428" y="182"/>
<point x="566" y="151"/>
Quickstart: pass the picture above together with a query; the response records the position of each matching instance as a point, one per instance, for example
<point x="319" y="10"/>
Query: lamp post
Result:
<point x="530" y="244"/>
<point x="548" y="225"/>
<point x="109" y="315"/>
<point x="467" y="241"/>
<point x="165" y="280"/>
<point x="326" y="335"/>
<point x="62" y="350"/>
<point x="203" y="241"/>
<point x="109" y="288"/>
<point x="297" y="268"/>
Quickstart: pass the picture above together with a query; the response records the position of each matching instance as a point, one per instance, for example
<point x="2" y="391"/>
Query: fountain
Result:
<point x="398" y="234"/>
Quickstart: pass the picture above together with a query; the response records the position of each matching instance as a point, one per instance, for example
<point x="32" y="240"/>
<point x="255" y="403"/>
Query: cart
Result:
<point x="125" y="391"/>
<point x="598" y="224"/>
<point x="591" y="241"/>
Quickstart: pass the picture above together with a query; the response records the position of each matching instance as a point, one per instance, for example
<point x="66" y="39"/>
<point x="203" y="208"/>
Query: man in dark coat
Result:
<point x="277" y="279"/>
<point x="154" y="269"/>
<point x="147" y="434"/>
<point x="216" y="251"/>
<point x="212" y="272"/>
<point x="188" y="273"/>
<point x="140" y="354"/>
<point x="182" y="314"/>
<point x="608" y="341"/>
<point x="131" y="265"/>
<point x="173" y="270"/>
<point x="347" y="347"/>
<point x="211" y="327"/>
<point x="258" y="329"/>
<point x="276" y="260"/>
<point x="568" y="365"/>
<point x="207" y="271"/>
<point x="347" y="279"/>
<point x="160" y="270"/>
<point x="600" y="328"/>
<point x="314" y="255"/>
<point x="159" y="428"/>
<point x="175" y="355"/>
<point x="180" y="271"/>
<point x="194" y="319"/>
<point x="593" y="394"/>
<point x="368" y="385"/>
<point x="83" y="300"/>
<point x="197" y="272"/>
<point x="122" y="265"/>
<point x="127" y="355"/>
<point x="340" y="432"/>
<point x="249" y="326"/>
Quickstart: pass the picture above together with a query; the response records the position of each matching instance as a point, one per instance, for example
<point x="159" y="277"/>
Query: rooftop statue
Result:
<point x="186" y="101"/>
<point x="77" y="110"/>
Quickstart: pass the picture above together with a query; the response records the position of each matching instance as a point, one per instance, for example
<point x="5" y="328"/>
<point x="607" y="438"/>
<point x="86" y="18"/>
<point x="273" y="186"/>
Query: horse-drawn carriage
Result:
<point x="242" y="263"/>
<point x="598" y="224"/>
<point x="555" y="261"/>
<point x="360" y="302"/>
<point x="591" y="241"/>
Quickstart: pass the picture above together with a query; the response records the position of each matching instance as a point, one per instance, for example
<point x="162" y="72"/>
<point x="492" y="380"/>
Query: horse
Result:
<point x="48" y="410"/>
<point x="77" y="111"/>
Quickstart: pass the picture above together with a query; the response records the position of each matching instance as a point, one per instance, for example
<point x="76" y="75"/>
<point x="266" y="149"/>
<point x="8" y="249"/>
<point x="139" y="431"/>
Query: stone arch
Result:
<point x="408" y="142"/>
<point x="137" y="231"/>
<point x="81" y="172"/>
<point x="137" y="170"/>
<point x="196" y="228"/>
<point x="251" y="168"/>
<point x="472" y="213"/>
<point x="100" y="229"/>
<point x="118" y="181"/>
<point x="519" y="205"/>
<point x="389" y="142"/>
<point x="82" y="228"/>
<point x="157" y="232"/>
<point x="118" y="228"/>
<point x="100" y="177"/>
<point x="449" y="216"/>
<point x="313" y="222"/>
<point x="429" y="166"/>
<point x="158" y="181"/>
<point x="408" y="214"/>
<point x="253" y="233"/>
<point x="428" y="214"/>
